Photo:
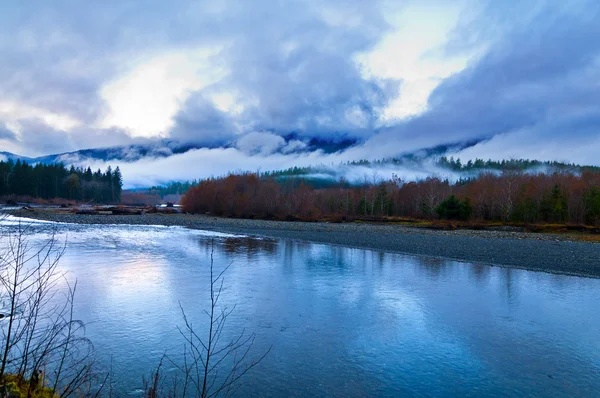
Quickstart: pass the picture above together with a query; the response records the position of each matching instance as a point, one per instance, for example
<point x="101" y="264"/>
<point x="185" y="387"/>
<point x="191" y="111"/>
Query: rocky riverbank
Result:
<point x="555" y="253"/>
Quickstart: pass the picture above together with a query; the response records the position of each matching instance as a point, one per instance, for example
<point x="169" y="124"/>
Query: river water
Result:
<point x="339" y="321"/>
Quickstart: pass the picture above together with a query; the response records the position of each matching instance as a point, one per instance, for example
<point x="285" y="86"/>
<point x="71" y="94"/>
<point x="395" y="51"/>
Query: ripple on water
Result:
<point x="340" y="321"/>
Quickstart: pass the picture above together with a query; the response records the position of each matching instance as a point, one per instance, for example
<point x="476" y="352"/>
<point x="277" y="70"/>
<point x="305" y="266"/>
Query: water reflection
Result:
<point x="434" y="266"/>
<point x="341" y="321"/>
<point x="235" y="246"/>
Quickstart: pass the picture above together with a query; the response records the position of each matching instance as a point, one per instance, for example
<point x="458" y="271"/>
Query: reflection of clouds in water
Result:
<point x="351" y="293"/>
<point x="138" y="294"/>
<point x="400" y="305"/>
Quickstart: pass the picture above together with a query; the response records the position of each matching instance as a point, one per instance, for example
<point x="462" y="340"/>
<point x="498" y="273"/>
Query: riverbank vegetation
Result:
<point x="22" y="181"/>
<point x="512" y="196"/>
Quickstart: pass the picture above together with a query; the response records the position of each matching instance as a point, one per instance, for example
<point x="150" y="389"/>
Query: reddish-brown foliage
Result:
<point x="509" y="197"/>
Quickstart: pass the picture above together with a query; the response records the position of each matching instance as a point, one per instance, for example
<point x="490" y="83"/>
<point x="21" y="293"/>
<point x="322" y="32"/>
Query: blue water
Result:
<point x="339" y="321"/>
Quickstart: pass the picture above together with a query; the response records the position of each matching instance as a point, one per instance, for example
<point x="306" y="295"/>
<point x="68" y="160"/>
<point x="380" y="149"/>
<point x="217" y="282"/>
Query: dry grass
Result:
<point x="16" y="386"/>
<point x="589" y="238"/>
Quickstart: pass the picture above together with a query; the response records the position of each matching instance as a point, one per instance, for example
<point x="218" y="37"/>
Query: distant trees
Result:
<point x="48" y="181"/>
<point x="509" y="165"/>
<point x="512" y="196"/>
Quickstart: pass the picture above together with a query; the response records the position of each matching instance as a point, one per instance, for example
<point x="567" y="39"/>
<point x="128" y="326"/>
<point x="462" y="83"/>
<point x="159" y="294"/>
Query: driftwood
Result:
<point x="124" y="211"/>
<point x="86" y="211"/>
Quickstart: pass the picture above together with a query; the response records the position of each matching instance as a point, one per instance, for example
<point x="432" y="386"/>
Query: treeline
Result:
<point x="511" y="165"/>
<point x="512" y="196"/>
<point x="327" y="176"/>
<point x="49" y="181"/>
<point x="450" y="163"/>
<point x="173" y="188"/>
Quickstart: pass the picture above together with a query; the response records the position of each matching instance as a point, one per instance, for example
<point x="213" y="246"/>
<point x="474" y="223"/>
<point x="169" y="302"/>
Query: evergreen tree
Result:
<point x="455" y="209"/>
<point x="117" y="184"/>
<point x="48" y="181"/>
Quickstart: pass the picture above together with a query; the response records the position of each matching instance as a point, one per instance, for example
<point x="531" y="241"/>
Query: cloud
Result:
<point x="293" y="71"/>
<point x="263" y="143"/>
<point x="538" y="79"/>
<point x="265" y="78"/>
<point x="200" y="121"/>
<point x="571" y="138"/>
<point x="6" y="133"/>
<point x="219" y="161"/>
<point x="196" y="70"/>
<point x="145" y="100"/>
<point x="41" y="138"/>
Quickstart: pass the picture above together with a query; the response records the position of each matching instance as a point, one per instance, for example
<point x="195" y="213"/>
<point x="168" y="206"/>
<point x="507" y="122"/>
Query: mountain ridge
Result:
<point x="166" y="148"/>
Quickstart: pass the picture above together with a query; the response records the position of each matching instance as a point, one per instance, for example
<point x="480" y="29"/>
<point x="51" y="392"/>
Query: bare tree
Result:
<point x="212" y="366"/>
<point x="42" y="346"/>
<point x="508" y="190"/>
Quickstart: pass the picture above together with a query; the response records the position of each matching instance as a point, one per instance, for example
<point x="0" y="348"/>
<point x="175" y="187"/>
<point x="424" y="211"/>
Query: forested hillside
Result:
<point x="49" y="181"/>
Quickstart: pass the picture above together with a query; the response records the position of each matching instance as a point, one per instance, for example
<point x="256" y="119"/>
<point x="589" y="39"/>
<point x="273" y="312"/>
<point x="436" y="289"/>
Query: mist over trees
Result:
<point x="49" y="181"/>
<point x="324" y="176"/>
<point x="510" y="196"/>
<point x="451" y="163"/>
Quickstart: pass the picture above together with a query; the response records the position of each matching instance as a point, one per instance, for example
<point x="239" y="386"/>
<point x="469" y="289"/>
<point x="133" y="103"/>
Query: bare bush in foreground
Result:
<point x="212" y="366"/>
<point x="43" y="349"/>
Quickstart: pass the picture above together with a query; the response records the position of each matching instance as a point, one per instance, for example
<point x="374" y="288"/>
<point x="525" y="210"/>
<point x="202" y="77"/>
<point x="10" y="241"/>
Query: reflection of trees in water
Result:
<point x="331" y="256"/>
<point x="242" y="245"/>
<point x="506" y="279"/>
<point x="292" y="250"/>
<point x="511" y="292"/>
<point x="381" y="259"/>
<point x="480" y="272"/>
<point x="434" y="266"/>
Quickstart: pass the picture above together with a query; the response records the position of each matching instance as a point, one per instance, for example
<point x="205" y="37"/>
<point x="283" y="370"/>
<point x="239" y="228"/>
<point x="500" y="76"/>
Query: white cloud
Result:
<point x="293" y="145"/>
<point x="523" y="143"/>
<point x="220" y="161"/>
<point x="410" y="53"/>
<point x="145" y="99"/>
<point x="12" y="112"/>
<point x="263" y="143"/>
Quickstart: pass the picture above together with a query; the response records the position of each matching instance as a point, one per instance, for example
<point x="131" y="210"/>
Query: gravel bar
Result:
<point x="539" y="252"/>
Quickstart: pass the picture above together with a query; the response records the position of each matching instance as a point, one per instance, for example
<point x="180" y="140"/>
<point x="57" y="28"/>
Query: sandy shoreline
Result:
<point x="540" y="252"/>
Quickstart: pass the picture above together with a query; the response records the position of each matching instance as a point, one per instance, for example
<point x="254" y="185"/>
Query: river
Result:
<point x="339" y="321"/>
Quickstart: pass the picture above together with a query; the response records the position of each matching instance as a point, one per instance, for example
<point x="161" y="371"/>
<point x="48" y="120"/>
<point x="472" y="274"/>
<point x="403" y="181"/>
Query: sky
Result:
<point x="254" y="81"/>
